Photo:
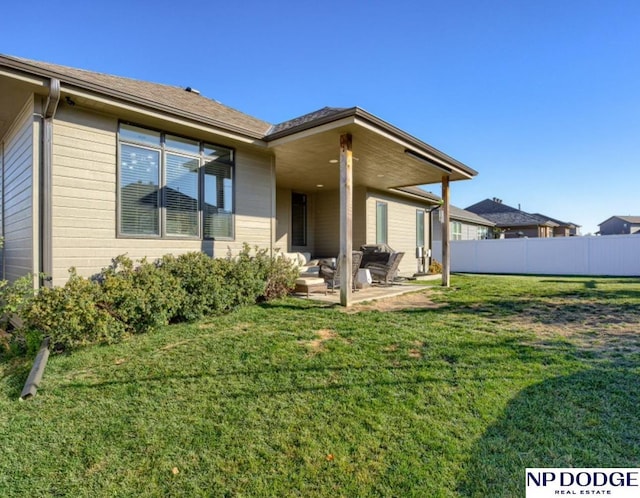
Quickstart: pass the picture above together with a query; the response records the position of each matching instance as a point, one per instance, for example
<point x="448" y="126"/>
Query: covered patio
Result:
<point x="341" y="150"/>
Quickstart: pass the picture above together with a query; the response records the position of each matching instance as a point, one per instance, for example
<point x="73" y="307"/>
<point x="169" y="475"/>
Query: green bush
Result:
<point x="72" y="315"/>
<point x="14" y="297"/>
<point x="203" y="281"/>
<point x="142" y="297"/>
<point x="137" y="298"/>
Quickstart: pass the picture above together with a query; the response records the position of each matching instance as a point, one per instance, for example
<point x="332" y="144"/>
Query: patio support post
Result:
<point x="346" y="222"/>
<point x="446" y="249"/>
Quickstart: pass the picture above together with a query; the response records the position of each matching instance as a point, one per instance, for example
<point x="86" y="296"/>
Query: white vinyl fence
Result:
<point x="614" y="255"/>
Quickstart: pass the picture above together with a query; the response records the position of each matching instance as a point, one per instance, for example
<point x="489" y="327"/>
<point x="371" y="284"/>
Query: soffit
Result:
<point x="13" y="94"/>
<point x="379" y="162"/>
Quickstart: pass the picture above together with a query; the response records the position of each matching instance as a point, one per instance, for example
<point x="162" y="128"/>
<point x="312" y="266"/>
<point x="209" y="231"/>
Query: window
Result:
<point x="381" y="222"/>
<point x="171" y="186"/>
<point x="456" y="230"/>
<point x="420" y="228"/>
<point x="298" y="219"/>
<point x="483" y="232"/>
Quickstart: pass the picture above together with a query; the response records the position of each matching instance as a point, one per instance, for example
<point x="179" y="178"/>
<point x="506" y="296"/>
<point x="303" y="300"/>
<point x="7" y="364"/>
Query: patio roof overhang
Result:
<point x="384" y="157"/>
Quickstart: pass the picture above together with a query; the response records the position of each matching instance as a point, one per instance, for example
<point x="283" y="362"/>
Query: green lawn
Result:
<point x="291" y="398"/>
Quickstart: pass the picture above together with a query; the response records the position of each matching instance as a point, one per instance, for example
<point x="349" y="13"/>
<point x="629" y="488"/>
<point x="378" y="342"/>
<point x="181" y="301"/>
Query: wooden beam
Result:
<point x="346" y="219"/>
<point x="446" y="234"/>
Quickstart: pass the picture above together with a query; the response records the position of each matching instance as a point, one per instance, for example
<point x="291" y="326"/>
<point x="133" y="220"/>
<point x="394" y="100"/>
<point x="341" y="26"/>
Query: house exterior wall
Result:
<point x="401" y="226"/>
<point x="618" y="226"/>
<point x="20" y="153"/>
<point x="470" y="231"/>
<point x="283" y="219"/>
<point x="84" y="199"/>
<point x="326" y="229"/>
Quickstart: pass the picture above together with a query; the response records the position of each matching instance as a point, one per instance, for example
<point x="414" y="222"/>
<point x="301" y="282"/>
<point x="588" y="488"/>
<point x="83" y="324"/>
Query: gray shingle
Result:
<point x="153" y="94"/>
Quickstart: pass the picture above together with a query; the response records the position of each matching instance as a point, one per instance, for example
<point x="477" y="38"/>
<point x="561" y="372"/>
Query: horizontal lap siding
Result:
<point x="85" y="198"/>
<point x="18" y="202"/>
<point x="327" y="224"/>
<point x="401" y="229"/>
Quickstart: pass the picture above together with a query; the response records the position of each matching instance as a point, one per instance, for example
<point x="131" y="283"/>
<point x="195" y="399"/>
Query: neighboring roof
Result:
<point x="515" y="219"/>
<point x="457" y="213"/>
<point x="490" y="206"/>
<point x="558" y="222"/>
<point x="173" y="99"/>
<point x="629" y="219"/>
<point x="507" y="216"/>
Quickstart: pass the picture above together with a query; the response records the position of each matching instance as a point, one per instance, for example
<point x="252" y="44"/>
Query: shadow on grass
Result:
<point x="589" y="419"/>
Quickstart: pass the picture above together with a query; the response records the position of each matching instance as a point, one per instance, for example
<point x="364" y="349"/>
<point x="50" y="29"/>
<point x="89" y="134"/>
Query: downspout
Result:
<point x="46" y="175"/>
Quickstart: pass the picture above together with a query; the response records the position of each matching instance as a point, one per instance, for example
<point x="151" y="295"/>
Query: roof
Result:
<point x="457" y="213"/>
<point x="177" y="101"/>
<point x="507" y="216"/>
<point x="173" y="99"/>
<point x="557" y="222"/>
<point x="419" y="192"/>
<point x="515" y="219"/>
<point x="629" y="219"/>
<point x="311" y="117"/>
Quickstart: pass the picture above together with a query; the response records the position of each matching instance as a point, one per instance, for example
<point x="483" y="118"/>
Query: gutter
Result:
<point x="46" y="176"/>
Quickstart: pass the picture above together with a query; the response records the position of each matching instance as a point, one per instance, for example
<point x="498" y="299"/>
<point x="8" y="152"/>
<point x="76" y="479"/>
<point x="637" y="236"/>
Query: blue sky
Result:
<point x="541" y="97"/>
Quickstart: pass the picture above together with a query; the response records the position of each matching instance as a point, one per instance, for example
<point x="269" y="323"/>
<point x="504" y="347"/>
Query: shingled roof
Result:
<point x="456" y="213"/>
<point x="507" y="216"/>
<point x="173" y="99"/>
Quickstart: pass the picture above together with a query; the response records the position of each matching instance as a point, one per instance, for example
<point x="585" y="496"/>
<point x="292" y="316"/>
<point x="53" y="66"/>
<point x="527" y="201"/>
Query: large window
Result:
<point x="381" y="222"/>
<point x="170" y="186"/>
<point x="298" y="219"/>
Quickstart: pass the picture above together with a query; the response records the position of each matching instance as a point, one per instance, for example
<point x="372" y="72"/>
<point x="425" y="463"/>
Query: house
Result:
<point x="514" y="222"/>
<point x="95" y="165"/>
<point x="564" y="228"/>
<point x="618" y="225"/>
<point x="465" y="225"/>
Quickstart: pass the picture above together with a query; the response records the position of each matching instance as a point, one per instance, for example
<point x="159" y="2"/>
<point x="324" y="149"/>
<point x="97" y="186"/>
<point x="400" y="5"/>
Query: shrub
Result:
<point x="203" y="281"/>
<point x="14" y="297"/>
<point x="280" y="277"/>
<point x="72" y="315"/>
<point x="142" y="297"/>
<point x="435" y="267"/>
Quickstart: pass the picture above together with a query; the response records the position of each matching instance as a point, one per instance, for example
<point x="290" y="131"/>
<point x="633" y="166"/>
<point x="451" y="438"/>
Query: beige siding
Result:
<point x="401" y="229"/>
<point x="85" y="198"/>
<point x="20" y="151"/>
<point x="327" y="224"/>
<point x="283" y="219"/>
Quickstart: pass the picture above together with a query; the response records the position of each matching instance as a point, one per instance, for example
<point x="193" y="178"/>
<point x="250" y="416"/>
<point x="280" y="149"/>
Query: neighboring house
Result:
<point x="618" y="225"/>
<point x="564" y="228"/>
<point x="513" y="222"/>
<point x="95" y="165"/>
<point x="465" y="225"/>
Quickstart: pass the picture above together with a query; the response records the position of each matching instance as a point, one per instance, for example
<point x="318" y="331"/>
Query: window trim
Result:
<point x="424" y="227"/>
<point x="163" y="150"/>
<point x="380" y="204"/>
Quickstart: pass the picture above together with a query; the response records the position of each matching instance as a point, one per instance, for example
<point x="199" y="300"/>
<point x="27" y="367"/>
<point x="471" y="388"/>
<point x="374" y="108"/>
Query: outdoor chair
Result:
<point x="385" y="273"/>
<point x="332" y="275"/>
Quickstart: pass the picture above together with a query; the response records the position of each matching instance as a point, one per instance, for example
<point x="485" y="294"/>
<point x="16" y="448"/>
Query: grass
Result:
<point x="453" y="398"/>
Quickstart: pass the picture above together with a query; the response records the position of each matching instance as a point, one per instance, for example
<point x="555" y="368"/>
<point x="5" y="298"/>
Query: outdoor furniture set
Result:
<point x="379" y="261"/>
